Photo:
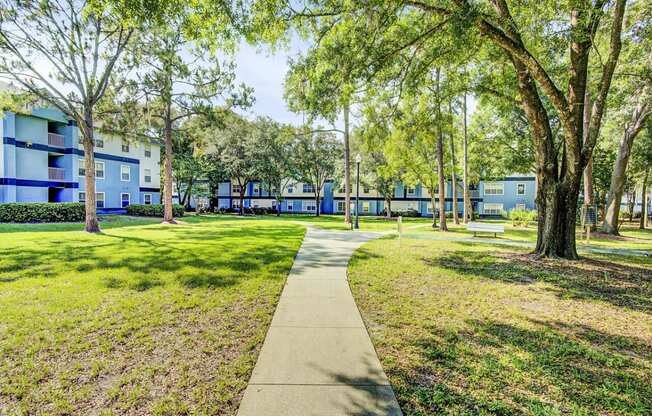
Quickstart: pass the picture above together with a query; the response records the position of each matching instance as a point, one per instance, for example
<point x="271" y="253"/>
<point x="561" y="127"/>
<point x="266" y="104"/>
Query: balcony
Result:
<point x="56" y="140"/>
<point x="56" y="174"/>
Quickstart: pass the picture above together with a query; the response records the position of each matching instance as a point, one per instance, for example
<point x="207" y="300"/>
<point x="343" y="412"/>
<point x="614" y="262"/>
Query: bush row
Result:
<point x="42" y="212"/>
<point x="522" y="217"/>
<point x="249" y="211"/>
<point x="153" y="210"/>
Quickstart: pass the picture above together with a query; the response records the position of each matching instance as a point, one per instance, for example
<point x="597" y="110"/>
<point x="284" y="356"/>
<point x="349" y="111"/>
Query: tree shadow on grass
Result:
<point x="545" y="368"/>
<point x="623" y="285"/>
<point x="220" y="254"/>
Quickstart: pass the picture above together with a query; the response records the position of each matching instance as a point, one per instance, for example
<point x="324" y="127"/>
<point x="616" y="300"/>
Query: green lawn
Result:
<point x="336" y="222"/>
<point x="468" y="329"/>
<point x="141" y="319"/>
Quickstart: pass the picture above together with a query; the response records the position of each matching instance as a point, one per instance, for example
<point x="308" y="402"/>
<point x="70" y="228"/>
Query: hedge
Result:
<point x="42" y="212"/>
<point x="154" y="210"/>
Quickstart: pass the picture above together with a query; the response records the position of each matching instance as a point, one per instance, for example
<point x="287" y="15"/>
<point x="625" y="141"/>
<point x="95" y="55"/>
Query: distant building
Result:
<point x="42" y="160"/>
<point x="489" y="198"/>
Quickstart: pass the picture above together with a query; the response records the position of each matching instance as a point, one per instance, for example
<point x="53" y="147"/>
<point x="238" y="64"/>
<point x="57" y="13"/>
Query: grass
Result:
<point x="469" y="329"/>
<point x="336" y="222"/>
<point x="140" y="319"/>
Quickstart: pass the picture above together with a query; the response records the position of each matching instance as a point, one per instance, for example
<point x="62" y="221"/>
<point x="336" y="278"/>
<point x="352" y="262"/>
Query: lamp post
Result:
<point x="358" y="159"/>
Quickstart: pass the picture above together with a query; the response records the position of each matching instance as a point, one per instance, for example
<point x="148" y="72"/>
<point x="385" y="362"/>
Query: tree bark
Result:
<point x="638" y="120"/>
<point x="168" y="216"/>
<point x="347" y="166"/>
<point x="465" y="179"/>
<point x="317" y="204"/>
<point x="92" y="224"/>
<point x="388" y="208"/>
<point x="643" y="223"/>
<point x="433" y="204"/>
<point x="242" y="192"/>
<point x="456" y="220"/>
<point x="440" y="162"/>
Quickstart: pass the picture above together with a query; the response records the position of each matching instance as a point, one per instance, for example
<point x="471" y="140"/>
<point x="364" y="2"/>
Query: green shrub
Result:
<point x="42" y="212"/>
<point x="522" y="217"/>
<point x="154" y="210"/>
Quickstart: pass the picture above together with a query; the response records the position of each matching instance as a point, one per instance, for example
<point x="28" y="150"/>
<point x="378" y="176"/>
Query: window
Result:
<point x="290" y="205"/>
<point x="493" y="209"/>
<point x="99" y="142"/>
<point x="148" y="175"/>
<point x="494" y="188"/>
<point x="82" y="197"/>
<point x="99" y="170"/>
<point x="148" y="150"/>
<point x="236" y="203"/>
<point x="520" y="189"/>
<point x="125" y="173"/>
<point x="290" y="188"/>
<point x="236" y="189"/>
<point x="256" y="188"/>
<point x="124" y="200"/>
<point x="308" y="188"/>
<point x="520" y="207"/>
<point x="82" y="167"/>
<point x="340" y="206"/>
<point x="429" y="208"/>
<point x="99" y="200"/>
<point x="147" y="199"/>
<point x="342" y="189"/>
<point x="410" y="191"/>
<point x="125" y="146"/>
<point x="365" y="206"/>
<point x="310" y="207"/>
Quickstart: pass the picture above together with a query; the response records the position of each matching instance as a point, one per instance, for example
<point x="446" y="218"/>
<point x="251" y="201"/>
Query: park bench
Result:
<point x="478" y="227"/>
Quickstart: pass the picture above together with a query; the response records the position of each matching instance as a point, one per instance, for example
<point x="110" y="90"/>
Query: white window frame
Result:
<point x="410" y="190"/>
<point x="290" y="188"/>
<point x="82" y="165"/>
<point x="125" y="145"/>
<point x="236" y="203"/>
<point x="494" y="187"/>
<point x="521" y="207"/>
<point x="103" y="170"/>
<point x="290" y="206"/>
<point x="122" y="179"/>
<point x="341" y="205"/>
<point x="366" y="206"/>
<point x="524" y="188"/>
<point x="122" y="200"/>
<point x="148" y="150"/>
<point x="99" y="143"/>
<point x="79" y="198"/>
<point x="311" y="189"/>
<point x="311" y="207"/>
<point x="256" y="188"/>
<point x="236" y="189"/>
<point x="495" y="208"/>
<point x="145" y="199"/>
<point x="147" y="178"/>
<point x="97" y="199"/>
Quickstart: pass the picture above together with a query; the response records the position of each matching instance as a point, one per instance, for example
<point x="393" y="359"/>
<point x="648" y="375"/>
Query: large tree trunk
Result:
<point x="168" y="216"/>
<point x="456" y="220"/>
<point x="638" y="120"/>
<point x="388" y="208"/>
<point x="643" y="223"/>
<point x="347" y="166"/>
<point x="242" y="193"/>
<point x="92" y="225"/>
<point x="465" y="179"/>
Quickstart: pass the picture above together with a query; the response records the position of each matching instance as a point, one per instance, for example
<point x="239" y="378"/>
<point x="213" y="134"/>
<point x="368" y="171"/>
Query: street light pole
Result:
<point x="358" y="159"/>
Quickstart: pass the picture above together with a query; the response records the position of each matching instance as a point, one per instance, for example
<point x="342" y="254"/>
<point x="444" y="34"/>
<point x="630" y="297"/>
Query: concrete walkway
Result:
<point x="317" y="358"/>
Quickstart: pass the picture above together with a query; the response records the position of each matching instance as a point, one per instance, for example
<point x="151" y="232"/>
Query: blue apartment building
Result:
<point x="42" y="160"/>
<point x="489" y="198"/>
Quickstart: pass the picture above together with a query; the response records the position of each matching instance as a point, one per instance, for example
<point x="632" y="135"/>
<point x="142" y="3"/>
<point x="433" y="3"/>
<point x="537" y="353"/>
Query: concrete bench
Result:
<point x="478" y="227"/>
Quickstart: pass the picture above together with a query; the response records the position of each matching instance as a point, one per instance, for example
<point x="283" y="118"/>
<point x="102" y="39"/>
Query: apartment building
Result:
<point x="42" y="160"/>
<point x="489" y="198"/>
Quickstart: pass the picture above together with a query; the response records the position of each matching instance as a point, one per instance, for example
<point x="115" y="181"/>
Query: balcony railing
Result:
<point x="56" y="174"/>
<point x="56" y="140"/>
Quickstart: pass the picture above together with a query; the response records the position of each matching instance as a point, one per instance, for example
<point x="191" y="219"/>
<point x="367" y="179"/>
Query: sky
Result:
<point x="265" y="73"/>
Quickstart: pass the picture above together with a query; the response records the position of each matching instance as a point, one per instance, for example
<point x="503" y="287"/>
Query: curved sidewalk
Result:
<point x="317" y="358"/>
